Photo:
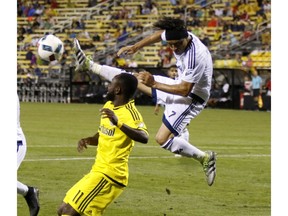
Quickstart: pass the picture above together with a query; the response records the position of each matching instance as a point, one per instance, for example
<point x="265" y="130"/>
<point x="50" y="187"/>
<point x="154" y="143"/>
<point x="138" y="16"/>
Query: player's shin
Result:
<point x="22" y="188"/>
<point x="108" y="72"/>
<point x="180" y="146"/>
<point x="95" y="67"/>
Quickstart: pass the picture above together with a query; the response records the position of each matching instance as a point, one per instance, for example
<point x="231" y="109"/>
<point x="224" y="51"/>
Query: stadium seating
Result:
<point x="75" y="9"/>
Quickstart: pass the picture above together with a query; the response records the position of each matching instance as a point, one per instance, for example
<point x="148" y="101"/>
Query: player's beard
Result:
<point x="110" y="96"/>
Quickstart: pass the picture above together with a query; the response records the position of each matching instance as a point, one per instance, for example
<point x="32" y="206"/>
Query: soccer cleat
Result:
<point x="32" y="199"/>
<point x="82" y="62"/>
<point x="209" y="167"/>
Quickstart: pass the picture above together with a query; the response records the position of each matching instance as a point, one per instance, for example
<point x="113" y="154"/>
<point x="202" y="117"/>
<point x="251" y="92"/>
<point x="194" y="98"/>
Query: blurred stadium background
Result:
<point x="238" y="34"/>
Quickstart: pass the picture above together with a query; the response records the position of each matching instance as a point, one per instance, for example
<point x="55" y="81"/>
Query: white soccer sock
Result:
<point x="185" y="134"/>
<point x="180" y="146"/>
<point x="105" y="71"/>
<point x="22" y="188"/>
<point x="94" y="67"/>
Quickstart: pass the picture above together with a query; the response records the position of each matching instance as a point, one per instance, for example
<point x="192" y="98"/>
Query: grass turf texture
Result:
<point x="159" y="183"/>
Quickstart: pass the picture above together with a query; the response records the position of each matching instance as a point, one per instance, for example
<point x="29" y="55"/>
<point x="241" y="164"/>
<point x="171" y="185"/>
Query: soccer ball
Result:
<point x="50" y="48"/>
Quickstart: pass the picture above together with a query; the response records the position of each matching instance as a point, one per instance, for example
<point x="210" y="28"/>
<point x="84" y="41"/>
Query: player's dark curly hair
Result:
<point x="128" y="84"/>
<point x="170" y="23"/>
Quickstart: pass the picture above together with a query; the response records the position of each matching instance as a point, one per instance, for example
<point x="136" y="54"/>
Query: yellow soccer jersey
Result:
<point x="114" y="146"/>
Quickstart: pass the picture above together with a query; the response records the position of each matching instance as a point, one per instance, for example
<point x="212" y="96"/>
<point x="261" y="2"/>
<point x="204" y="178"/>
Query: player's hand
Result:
<point x="107" y="113"/>
<point x="146" y="78"/>
<point x="127" y="50"/>
<point x="137" y="76"/>
<point x="83" y="144"/>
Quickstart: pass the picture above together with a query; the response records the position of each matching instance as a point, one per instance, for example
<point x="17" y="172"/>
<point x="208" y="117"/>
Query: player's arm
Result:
<point x="87" y="141"/>
<point x="183" y="88"/>
<point x="143" y="88"/>
<point x="151" y="39"/>
<point x="135" y="134"/>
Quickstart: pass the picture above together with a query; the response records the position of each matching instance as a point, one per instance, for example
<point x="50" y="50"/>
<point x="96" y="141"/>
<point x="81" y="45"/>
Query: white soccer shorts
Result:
<point x="21" y="147"/>
<point x="179" y="110"/>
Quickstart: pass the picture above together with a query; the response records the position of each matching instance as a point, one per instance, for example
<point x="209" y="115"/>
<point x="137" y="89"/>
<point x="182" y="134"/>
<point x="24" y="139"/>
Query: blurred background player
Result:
<point x="256" y="87"/>
<point x="29" y="193"/>
<point x="173" y="74"/>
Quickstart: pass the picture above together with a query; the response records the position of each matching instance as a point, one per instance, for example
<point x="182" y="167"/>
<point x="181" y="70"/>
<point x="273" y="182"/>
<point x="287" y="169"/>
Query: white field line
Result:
<point x="157" y="146"/>
<point x="148" y="157"/>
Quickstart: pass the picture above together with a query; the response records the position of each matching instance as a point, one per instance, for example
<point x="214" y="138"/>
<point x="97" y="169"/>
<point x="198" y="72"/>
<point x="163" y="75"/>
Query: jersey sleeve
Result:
<point x="134" y="119"/>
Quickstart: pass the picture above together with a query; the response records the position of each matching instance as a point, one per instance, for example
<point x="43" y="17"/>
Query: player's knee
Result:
<point x="66" y="210"/>
<point x="59" y="211"/>
<point x="160" y="139"/>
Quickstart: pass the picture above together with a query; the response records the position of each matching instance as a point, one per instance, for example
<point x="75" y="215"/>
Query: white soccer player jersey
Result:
<point x="21" y="140"/>
<point x="19" y="129"/>
<point x="195" y="66"/>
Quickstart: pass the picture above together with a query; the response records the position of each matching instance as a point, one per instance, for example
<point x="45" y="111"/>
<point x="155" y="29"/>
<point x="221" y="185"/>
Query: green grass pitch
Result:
<point x="159" y="183"/>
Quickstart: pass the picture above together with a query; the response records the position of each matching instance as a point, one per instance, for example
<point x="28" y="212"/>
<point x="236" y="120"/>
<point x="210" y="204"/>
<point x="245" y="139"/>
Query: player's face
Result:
<point x="172" y="72"/>
<point x="178" y="46"/>
<point x="111" y="90"/>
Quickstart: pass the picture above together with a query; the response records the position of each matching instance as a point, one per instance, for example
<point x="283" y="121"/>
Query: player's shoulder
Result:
<point x="108" y="104"/>
<point x="191" y="34"/>
<point x="131" y="105"/>
<point x="132" y="109"/>
<point x="195" y="39"/>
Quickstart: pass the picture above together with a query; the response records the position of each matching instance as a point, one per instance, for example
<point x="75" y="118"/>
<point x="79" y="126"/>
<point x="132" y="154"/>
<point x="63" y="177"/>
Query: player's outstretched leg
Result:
<point x="209" y="167"/>
<point x="32" y="199"/>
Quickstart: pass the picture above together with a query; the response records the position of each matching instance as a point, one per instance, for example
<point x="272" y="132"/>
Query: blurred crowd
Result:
<point x="234" y="21"/>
